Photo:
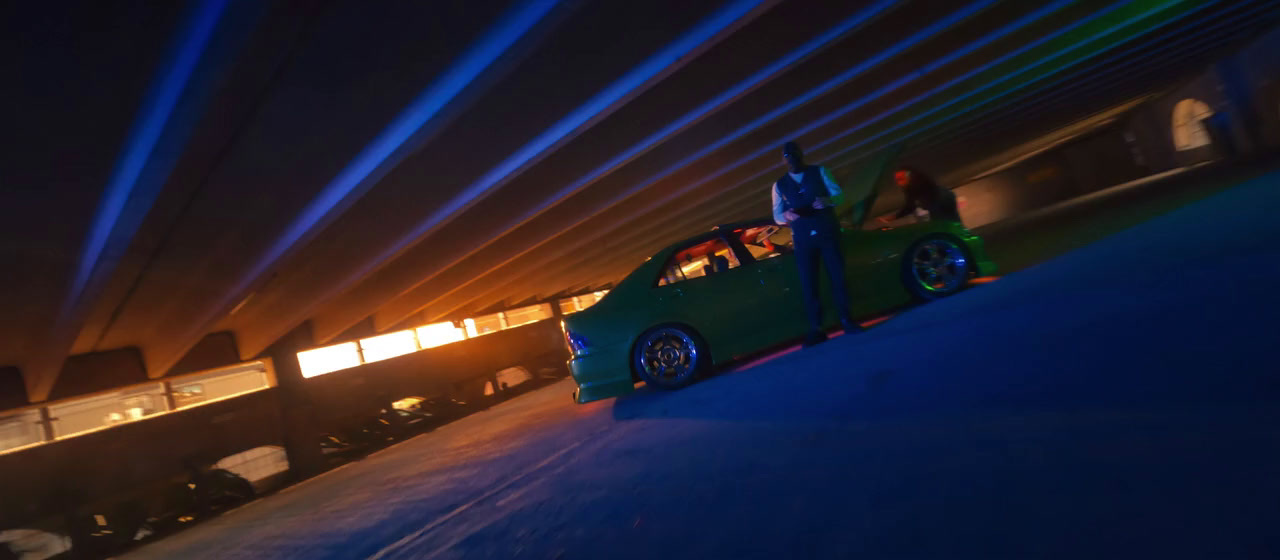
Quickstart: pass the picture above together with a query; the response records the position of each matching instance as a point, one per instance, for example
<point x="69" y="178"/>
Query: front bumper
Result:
<point x="977" y="246"/>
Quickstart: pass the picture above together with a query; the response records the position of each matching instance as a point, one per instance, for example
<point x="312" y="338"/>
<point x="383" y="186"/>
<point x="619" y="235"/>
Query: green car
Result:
<point x="735" y="291"/>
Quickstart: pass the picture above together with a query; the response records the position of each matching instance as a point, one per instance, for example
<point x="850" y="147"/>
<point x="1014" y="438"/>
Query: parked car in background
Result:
<point x="735" y="291"/>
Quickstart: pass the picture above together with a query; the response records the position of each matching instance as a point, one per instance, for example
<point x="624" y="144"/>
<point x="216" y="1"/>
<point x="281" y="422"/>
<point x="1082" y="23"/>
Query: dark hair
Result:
<point x="790" y="146"/>
<point x="920" y="180"/>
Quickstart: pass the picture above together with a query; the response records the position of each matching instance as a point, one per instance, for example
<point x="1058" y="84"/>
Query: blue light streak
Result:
<point x="353" y="179"/>
<point x="988" y="85"/>
<point x="558" y="132"/>
<point x="382" y="152"/>
<point x="862" y="101"/>
<point x="161" y="100"/>
<point x="814" y="93"/>
<point x="702" y="111"/>
<point x="1129" y="61"/>
<point x="1058" y="79"/>
<point x="709" y="107"/>
<point x="824" y="88"/>
<point x="828" y="86"/>
<point x="1042" y="40"/>
<point x="931" y="92"/>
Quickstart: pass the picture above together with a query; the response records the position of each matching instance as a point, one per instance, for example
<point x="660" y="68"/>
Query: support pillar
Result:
<point x="301" y="434"/>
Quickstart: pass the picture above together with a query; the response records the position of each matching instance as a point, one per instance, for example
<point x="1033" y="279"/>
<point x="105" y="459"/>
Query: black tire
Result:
<point x="936" y="266"/>
<point x="669" y="356"/>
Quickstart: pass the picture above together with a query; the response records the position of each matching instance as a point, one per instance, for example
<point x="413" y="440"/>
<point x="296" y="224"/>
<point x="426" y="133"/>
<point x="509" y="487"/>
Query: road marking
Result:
<point x="405" y="540"/>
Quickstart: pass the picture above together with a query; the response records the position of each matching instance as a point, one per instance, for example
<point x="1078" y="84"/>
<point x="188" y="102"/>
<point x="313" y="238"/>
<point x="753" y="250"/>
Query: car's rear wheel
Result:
<point x="669" y="357"/>
<point x="935" y="267"/>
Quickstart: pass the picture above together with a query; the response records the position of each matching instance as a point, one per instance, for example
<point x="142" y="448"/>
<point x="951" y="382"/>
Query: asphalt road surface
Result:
<point x="1117" y="401"/>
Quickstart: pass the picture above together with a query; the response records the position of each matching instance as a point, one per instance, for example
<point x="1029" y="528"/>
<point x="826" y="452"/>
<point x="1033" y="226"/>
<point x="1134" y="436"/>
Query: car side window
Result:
<point x="707" y="258"/>
<point x="767" y="242"/>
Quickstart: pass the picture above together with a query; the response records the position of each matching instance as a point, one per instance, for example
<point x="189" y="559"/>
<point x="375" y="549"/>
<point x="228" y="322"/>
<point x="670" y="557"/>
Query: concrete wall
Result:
<point x="1152" y="124"/>
<point x="460" y="368"/>
<point x="1244" y="89"/>
<point x="127" y="460"/>
<point x="1083" y="165"/>
<point x="130" y="460"/>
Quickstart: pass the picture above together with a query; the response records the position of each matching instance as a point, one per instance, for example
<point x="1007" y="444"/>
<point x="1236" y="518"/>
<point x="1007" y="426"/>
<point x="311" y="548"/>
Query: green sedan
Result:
<point x="735" y="291"/>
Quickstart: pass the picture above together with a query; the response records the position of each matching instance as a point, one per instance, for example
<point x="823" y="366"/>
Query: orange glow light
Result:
<point x="388" y="345"/>
<point x="328" y="359"/>
<point x="438" y="334"/>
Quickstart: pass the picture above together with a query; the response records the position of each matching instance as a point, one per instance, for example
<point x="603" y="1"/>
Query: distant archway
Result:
<point x="1189" y="131"/>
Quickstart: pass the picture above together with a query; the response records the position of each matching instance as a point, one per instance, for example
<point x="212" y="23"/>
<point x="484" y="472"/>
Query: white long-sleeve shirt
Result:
<point x="835" y="192"/>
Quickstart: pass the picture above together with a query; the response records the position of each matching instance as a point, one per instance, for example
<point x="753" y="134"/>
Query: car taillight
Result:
<point x="577" y="343"/>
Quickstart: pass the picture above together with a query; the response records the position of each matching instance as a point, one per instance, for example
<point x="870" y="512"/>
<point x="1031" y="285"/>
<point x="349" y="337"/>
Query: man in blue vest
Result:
<point x="805" y="199"/>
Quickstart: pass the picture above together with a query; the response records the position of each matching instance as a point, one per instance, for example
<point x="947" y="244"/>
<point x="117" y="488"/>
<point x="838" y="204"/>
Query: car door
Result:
<point x="705" y="286"/>
<point x="779" y="304"/>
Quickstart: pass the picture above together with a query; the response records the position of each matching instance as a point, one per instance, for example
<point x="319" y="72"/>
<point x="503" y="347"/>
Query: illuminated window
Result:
<point x="702" y="259"/>
<point x="437" y="334"/>
<point x="328" y="359"/>
<point x="219" y="384"/>
<point x="388" y="346"/>
<point x="470" y="325"/>
<point x="487" y="324"/>
<point x="257" y="464"/>
<point x="526" y="315"/>
<point x="1189" y="131"/>
<point x="511" y="377"/>
<point x="767" y="242"/>
<point x="20" y="429"/>
<point x="91" y="413"/>
<point x="568" y="305"/>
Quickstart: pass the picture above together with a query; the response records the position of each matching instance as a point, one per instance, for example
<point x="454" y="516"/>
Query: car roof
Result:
<point x="757" y="222"/>
<point x="715" y="231"/>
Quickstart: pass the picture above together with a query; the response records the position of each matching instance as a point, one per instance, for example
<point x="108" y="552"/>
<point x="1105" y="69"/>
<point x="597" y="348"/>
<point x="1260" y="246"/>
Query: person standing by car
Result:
<point x="924" y="194"/>
<point x="805" y="198"/>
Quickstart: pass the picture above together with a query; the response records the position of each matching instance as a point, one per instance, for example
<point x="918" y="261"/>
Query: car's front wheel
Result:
<point x="935" y="267"/>
<point x="669" y="357"/>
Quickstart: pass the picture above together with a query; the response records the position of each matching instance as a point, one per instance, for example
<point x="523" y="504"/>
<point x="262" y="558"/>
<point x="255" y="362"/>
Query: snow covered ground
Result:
<point x="1119" y="401"/>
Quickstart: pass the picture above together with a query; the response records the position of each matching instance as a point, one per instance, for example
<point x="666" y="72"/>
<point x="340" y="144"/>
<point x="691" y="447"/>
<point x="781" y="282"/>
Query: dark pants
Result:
<point x="824" y="245"/>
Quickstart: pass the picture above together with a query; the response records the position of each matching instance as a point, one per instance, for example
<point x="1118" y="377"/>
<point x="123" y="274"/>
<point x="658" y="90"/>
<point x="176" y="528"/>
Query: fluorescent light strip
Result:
<point x="1201" y="32"/>
<point x="353" y="177"/>
<point x="988" y="85"/>
<point x="1060" y="80"/>
<point x="427" y="105"/>
<point x="810" y="95"/>
<point x="579" y="117"/>
<point x="951" y="83"/>
<point x="156" y="111"/>
<point x="822" y="89"/>
<point x="729" y="95"/>
<point x="545" y="141"/>
<point x="861" y="101"/>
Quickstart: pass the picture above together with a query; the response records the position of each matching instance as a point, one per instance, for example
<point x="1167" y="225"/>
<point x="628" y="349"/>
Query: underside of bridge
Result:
<point x="186" y="183"/>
